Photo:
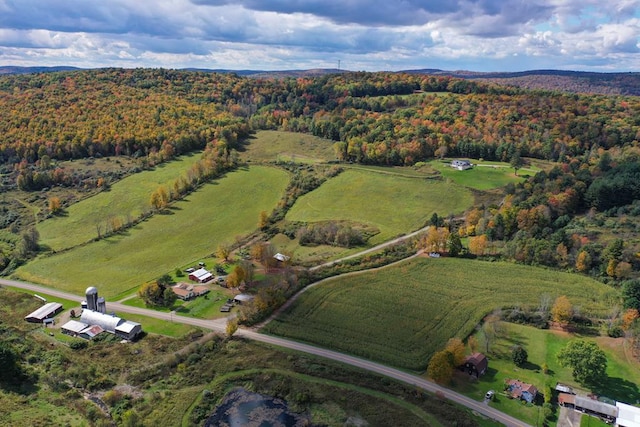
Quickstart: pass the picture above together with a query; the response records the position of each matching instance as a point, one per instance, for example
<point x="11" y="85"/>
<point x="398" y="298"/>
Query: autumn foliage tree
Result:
<point x="562" y="310"/>
<point x="158" y="293"/>
<point x="55" y="205"/>
<point x="478" y="245"/>
<point x="441" y="367"/>
<point x="455" y="346"/>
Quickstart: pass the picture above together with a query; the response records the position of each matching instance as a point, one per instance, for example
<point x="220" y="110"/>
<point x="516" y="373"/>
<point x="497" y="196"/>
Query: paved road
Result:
<point x="219" y="325"/>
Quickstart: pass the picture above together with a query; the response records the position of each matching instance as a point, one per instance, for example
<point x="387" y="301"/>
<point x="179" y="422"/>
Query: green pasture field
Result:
<point x="542" y="347"/>
<point x="484" y="176"/>
<point x="395" y="205"/>
<point x="127" y="198"/>
<point x="402" y="314"/>
<point x="270" y="145"/>
<point x="190" y="229"/>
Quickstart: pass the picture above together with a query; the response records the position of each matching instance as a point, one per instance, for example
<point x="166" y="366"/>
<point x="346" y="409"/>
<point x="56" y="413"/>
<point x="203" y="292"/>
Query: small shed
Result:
<point x="46" y="311"/>
<point x="282" y="257"/>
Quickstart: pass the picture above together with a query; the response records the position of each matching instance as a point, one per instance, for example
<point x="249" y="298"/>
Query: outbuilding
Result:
<point x="201" y="275"/>
<point x="475" y="364"/>
<point x="46" y="311"/>
<point x="628" y="416"/>
<point x="128" y="330"/>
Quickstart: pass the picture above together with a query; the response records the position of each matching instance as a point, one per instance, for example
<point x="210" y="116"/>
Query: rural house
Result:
<point x="519" y="390"/>
<point x="185" y="291"/>
<point x="475" y="364"/>
<point x="461" y="164"/>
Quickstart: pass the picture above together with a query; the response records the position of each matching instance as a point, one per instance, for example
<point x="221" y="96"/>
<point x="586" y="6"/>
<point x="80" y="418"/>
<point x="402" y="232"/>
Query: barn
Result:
<point x="45" y="312"/>
<point x="201" y="275"/>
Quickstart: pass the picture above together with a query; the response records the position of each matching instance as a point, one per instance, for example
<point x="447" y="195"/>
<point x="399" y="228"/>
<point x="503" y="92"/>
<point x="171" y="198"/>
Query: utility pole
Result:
<point x="338" y="64"/>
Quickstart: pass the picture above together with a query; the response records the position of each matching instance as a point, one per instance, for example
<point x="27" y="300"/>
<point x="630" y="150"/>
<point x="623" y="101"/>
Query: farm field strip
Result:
<point x="402" y="314"/>
<point x="190" y="229"/>
<point x="128" y="197"/>
<point x="395" y="205"/>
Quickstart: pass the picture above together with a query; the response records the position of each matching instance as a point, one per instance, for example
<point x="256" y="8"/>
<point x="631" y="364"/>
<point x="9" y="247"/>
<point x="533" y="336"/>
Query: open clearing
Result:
<point x="402" y="314"/>
<point x="395" y="205"/>
<point x="269" y="145"/>
<point x="190" y="229"/>
<point x="127" y="198"/>
<point x="484" y="176"/>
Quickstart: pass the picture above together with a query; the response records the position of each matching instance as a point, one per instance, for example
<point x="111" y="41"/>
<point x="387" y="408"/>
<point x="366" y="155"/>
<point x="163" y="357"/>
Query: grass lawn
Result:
<point x="269" y="145"/>
<point x="191" y="229"/>
<point x="542" y="347"/>
<point x="402" y="314"/>
<point x="484" y="176"/>
<point x="204" y="307"/>
<point x="127" y="198"/>
<point x="395" y="205"/>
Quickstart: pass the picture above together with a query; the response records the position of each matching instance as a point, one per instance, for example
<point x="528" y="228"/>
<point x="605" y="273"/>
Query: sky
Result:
<point x="357" y="35"/>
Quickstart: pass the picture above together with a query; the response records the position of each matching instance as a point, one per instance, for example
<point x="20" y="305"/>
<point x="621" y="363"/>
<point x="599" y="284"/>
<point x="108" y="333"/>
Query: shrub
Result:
<point x="615" y="332"/>
<point x="79" y="345"/>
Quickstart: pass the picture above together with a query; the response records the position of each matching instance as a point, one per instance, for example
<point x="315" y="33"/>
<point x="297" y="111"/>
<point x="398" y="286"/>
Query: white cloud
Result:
<point x="277" y="34"/>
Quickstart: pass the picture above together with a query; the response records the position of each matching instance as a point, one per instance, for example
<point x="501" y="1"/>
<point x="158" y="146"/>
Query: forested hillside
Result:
<point x="374" y="118"/>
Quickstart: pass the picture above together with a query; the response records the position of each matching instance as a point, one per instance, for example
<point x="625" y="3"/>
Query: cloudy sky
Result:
<point x="480" y="35"/>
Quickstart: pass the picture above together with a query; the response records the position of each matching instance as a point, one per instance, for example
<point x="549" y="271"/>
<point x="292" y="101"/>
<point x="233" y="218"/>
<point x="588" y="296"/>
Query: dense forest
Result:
<point x="374" y="118"/>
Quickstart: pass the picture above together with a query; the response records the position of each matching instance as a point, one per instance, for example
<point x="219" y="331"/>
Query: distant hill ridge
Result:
<point x="617" y="83"/>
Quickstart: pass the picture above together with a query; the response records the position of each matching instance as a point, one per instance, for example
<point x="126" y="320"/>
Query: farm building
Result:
<point x="588" y="406"/>
<point x="519" y="390"/>
<point x="46" y="311"/>
<point x="628" y="416"/>
<point x="93" y="323"/>
<point x="461" y="164"/>
<point x="201" y="275"/>
<point x="475" y="364"/>
<point x="282" y="257"/>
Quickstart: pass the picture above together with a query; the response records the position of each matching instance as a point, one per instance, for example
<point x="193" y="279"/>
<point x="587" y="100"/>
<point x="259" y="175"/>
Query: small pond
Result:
<point x="243" y="408"/>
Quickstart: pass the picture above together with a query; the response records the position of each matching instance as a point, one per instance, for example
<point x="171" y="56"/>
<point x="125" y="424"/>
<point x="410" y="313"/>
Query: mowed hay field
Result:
<point x="192" y="228"/>
<point x="402" y="314"/>
<point x="269" y="145"/>
<point x="128" y="197"/>
<point x="394" y="204"/>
